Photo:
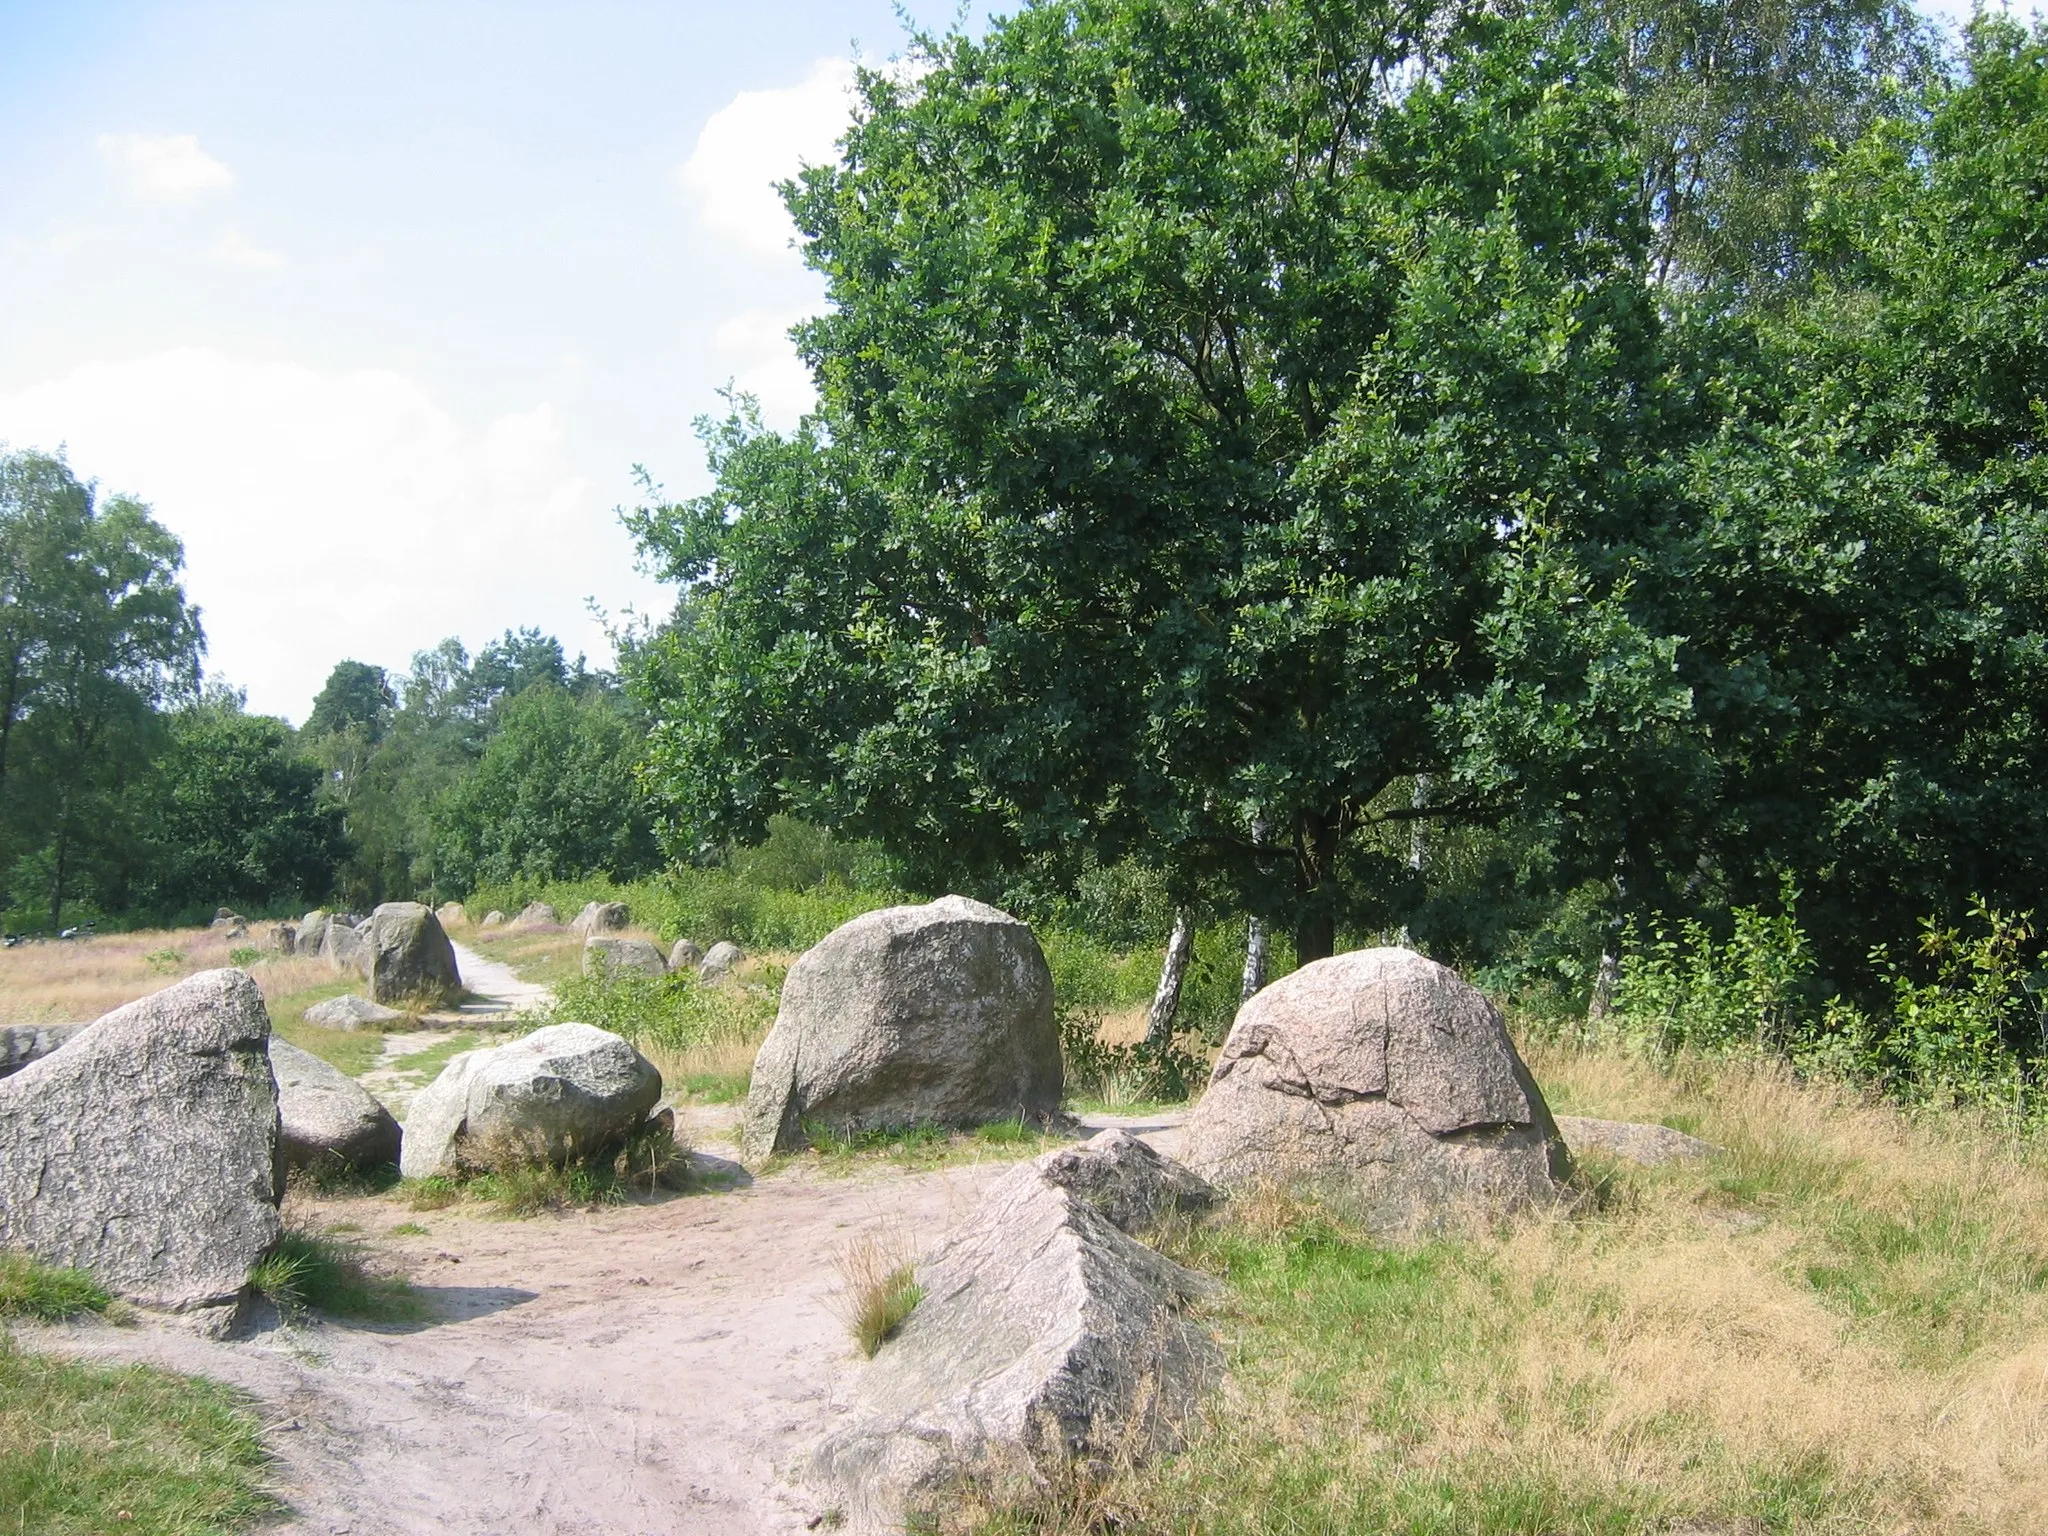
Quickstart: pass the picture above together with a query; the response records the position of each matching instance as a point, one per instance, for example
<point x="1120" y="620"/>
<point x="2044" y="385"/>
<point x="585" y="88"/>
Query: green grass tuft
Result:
<point x="315" y="1271"/>
<point x="45" y="1293"/>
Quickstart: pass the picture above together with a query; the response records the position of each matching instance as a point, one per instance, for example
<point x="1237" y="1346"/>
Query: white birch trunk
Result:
<point x="1254" y="961"/>
<point x="1166" y="1001"/>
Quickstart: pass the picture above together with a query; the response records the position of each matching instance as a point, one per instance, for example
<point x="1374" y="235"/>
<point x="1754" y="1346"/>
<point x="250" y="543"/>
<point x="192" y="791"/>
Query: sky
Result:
<point x="378" y="302"/>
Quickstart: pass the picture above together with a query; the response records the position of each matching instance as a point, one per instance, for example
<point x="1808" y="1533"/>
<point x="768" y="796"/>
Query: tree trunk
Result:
<point x="1418" y="834"/>
<point x="1166" y="1001"/>
<point x="1254" y="962"/>
<point x="1315" y="937"/>
<point x="1603" y="986"/>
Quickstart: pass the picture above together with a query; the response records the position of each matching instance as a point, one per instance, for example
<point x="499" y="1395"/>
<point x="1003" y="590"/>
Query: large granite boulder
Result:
<point x="536" y="914"/>
<point x="325" y="1117"/>
<point x="683" y="955"/>
<point x="621" y="957"/>
<point x="931" y="1015"/>
<point x="408" y="957"/>
<point x="351" y="1012"/>
<point x="1651" y="1146"/>
<point x="21" y="1044"/>
<point x="282" y="938"/>
<point x="601" y="917"/>
<point x="450" y="913"/>
<point x="145" y="1151"/>
<point x="1388" y="1082"/>
<point x="341" y="945"/>
<point x="1045" y="1337"/>
<point x="721" y="962"/>
<point x="564" y="1092"/>
<point x="493" y="919"/>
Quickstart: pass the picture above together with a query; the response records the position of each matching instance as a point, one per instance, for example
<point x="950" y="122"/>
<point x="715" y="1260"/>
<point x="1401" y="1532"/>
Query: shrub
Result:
<point x="879" y="1288"/>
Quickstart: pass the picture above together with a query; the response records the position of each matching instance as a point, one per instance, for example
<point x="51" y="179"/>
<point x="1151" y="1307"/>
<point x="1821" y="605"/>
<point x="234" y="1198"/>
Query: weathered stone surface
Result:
<point x="621" y="957"/>
<point x="601" y="917"/>
<point x="1045" y="1336"/>
<point x="1126" y="1180"/>
<point x="1649" y="1145"/>
<point x="1388" y="1080"/>
<point x="721" y="962"/>
<point x="931" y="1015"/>
<point x="684" y="955"/>
<point x="409" y="957"/>
<point x="494" y="919"/>
<point x="21" y="1044"/>
<point x="450" y="913"/>
<point x="564" y="1091"/>
<point x="312" y="933"/>
<point x="283" y="938"/>
<point x="341" y="946"/>
<point x="536" y="914"/>
<point x="325" y="1117"/>
<point x="351" y="1012"/>
<point x="145" y="1150"/>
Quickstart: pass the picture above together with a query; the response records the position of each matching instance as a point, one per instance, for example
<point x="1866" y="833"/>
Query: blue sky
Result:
<point x="377" y="302"/>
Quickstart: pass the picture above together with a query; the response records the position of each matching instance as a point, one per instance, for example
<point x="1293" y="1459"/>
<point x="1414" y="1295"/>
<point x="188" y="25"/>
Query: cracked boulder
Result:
<point x="1046" y="1337"/>
<point x="145" y="1150"/>
<point x="938" y="1014"/>
<point x="1388" y="1083"/>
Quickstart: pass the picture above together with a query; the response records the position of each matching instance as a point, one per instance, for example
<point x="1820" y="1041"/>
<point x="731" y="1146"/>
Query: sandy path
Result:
<point x="621" y="1372"/>
<point x="649" y="1369"/>
<point x="495" y="991"/>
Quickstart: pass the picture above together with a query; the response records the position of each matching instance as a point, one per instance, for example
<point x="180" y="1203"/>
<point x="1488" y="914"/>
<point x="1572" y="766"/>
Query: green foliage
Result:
<point x="45" y="1293"/>
<point x="233" y="816"/>
<point x="86" y="1449"/>
<point x="1966" y="1021"/>
<point x="165" y="962"/>
<point x="95" y="636"/>
<point x="552" y="797"/>
<point x="355" y="696"/>
<point x="1209" y="437"/>
<point x="674" y="1012"/>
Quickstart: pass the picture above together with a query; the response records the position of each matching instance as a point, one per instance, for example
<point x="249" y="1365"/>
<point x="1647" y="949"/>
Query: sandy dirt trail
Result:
<point x="651" y="1370"/>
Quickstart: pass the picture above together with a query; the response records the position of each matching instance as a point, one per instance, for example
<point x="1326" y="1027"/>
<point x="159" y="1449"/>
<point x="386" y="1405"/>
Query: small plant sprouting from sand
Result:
<point x="878" y="1288"/>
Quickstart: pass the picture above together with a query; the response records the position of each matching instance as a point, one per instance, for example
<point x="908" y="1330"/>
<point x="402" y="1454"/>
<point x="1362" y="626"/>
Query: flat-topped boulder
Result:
<point x="351" y="1012"/>
<point x="1045" y="1337"/>
<point x="536" y="914"/>
<point x="611" y="956"/>
<point x="1388" y="1082"/>
<point x="408" y="958"/>
<point x="601" y="917"/>
<point x="1648" y="1145"/>
<point x="450" y="913"/>
<point x="326" y="1119"/>
<point x="926" y="1015"/>
<point x="145" y="1150"/>
<point x="564" y="1092"/>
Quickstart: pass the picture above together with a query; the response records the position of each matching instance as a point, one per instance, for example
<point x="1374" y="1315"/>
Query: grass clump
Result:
<point x="316" y="1271"/>
<point x="46" y="1293"/>
<point x="88" y="1449"/>
<point x="878" y="1288"/>
<point x="524" y="1176"/>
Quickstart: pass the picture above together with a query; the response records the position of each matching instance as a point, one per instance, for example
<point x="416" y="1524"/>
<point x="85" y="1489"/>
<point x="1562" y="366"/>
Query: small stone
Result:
<point x="350" y="1012"/>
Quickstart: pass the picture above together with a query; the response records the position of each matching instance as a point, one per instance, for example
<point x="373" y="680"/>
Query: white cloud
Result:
<point x="238" y="250"/>
<point x="763" y="362"/>
<point x="166" y="168"/>
<point x="336" y="514"/>
<point x="758" y="139"/>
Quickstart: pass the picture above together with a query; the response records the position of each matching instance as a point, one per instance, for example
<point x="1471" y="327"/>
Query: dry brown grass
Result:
<point x="1841" y="1325"/>
<point x="84" y="978"/>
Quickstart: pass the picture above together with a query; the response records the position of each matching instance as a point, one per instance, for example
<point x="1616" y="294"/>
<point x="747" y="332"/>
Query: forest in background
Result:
<point x="1559" y="484"/>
